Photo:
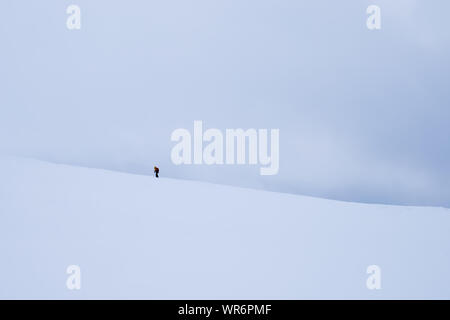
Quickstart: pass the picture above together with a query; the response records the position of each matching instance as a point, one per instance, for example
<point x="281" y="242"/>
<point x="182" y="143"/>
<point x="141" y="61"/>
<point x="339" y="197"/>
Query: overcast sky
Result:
<point x="363" y="115"/>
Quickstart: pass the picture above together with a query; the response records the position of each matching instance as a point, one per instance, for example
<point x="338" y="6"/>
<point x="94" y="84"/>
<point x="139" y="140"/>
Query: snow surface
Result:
<point x="136" y="236"/>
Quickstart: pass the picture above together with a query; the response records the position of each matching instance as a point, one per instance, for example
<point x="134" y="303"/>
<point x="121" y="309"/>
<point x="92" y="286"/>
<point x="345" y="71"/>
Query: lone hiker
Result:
<point x="156" y="171"/>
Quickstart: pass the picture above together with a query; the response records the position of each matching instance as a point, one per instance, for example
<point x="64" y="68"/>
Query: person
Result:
<point x="156" y="171"/>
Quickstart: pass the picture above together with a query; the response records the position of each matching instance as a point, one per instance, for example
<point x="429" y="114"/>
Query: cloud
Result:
<point x="363" y="116"/>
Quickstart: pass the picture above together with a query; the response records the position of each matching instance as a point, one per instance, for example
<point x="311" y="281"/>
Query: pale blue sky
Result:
<point x="363" y="115"/>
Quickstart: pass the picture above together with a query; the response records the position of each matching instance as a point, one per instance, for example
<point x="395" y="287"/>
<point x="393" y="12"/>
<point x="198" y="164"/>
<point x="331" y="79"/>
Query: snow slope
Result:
<point x="138" y="237"/>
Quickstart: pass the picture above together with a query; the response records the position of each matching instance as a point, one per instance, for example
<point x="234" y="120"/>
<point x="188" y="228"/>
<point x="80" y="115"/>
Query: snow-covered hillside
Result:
<point x="138" y="237"/>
